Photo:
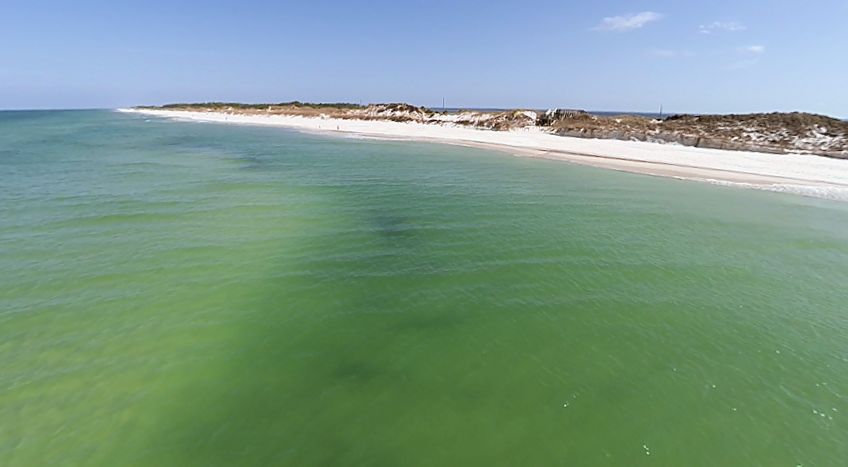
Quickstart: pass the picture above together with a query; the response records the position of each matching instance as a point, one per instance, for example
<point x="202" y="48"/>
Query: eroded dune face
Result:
<point x="774" y="132"/>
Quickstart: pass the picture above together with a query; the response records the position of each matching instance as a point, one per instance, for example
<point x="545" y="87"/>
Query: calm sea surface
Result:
<point x="178" y="293"/>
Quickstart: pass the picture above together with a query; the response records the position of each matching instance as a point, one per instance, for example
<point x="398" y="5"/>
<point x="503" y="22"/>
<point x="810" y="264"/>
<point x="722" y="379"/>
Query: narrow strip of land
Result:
<point x="799" y="173"/>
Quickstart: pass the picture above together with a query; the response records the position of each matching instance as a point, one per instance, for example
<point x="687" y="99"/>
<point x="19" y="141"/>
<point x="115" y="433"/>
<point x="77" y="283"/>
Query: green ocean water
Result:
<point x="176" y="293"/>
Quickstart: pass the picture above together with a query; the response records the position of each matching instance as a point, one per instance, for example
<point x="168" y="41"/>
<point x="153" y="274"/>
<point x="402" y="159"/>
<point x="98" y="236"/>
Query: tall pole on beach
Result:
<point x="443" y="104"/>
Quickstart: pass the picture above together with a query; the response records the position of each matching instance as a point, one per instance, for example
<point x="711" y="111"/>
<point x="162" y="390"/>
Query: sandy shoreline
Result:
<point x="802" y="174"/>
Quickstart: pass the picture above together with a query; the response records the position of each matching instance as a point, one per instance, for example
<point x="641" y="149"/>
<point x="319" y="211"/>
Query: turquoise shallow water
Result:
<point x="197" y="294"/>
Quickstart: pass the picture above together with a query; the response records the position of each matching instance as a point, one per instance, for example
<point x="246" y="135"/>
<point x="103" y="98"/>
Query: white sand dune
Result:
<point x="802" y="174"/>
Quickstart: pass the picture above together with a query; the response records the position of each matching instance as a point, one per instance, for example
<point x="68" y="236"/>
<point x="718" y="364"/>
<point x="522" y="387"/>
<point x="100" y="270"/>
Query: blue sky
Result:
<point x="719" y="56"/>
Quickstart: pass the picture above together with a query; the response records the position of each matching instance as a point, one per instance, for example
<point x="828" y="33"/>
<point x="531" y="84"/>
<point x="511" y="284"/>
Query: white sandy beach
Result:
<point x="802" y="174"/>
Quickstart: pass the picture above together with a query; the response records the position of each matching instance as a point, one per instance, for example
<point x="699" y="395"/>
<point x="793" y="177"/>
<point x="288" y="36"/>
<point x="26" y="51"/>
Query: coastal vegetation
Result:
<point x="776" y="132"/>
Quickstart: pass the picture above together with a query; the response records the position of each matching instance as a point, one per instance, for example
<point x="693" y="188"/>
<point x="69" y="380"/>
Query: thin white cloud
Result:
<point x="628" y="22"/>
<point x="717" y="26"/>
<point x="670" y="53"/>
<point x="752" y="49"/>
<point x="664" y="53"/>
<point x="749" y="56"/>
